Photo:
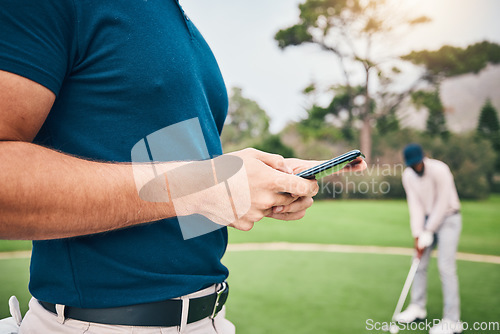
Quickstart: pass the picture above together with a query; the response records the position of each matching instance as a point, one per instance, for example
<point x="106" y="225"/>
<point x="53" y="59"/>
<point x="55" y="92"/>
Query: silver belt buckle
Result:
<point x="219" y="293"/>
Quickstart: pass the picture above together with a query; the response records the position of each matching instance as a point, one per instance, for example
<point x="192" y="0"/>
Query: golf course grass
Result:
<point x="316" y="292"/>
<point x="296" y="292"/>
<point x="377" y="223"/>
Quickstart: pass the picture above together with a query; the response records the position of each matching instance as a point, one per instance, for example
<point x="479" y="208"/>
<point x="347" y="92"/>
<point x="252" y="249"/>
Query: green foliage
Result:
<point x="294" y="35"/>
<point x="248" y="126"/>
<point x="388" y="123"/>
<point x="273" y="144"/>
<point x="341" y="108"/>
<point x="436" y="122"/>
<point x="470" y="158"/>
<point x="246" y="121"/>
<point x="488" y="125"/>
<point x="451" y="61"/>
<point x="471" y="161"/>
<point x="343" y="100"/>
<point x="349" y="30"/>
<point x="309" y="89"/>
<point x="316" y="130"/>
<point x="488" y="128"/>
<point x="364" y="17"/>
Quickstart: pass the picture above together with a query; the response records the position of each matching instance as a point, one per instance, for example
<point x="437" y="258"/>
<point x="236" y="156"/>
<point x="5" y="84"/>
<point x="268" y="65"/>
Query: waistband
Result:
<point x="167" y="313"/>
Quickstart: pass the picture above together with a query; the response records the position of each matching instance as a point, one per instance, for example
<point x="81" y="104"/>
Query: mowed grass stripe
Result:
<point x="375" y="223"/>
<point x="285" y="246"/>
<point x="362" y="222"/>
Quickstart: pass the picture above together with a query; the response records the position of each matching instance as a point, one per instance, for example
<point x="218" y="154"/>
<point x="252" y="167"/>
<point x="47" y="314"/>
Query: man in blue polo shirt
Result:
<point x="81" y="82"/>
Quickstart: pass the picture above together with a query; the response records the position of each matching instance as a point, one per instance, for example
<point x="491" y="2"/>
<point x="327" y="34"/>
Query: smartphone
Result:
<point x="331" y="166"/>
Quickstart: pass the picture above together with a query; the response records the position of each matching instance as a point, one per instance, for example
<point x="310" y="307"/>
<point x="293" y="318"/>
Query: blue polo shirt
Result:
<point x="120" y="70"/>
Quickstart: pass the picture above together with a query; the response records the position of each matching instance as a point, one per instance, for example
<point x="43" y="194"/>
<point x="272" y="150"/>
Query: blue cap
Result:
<point x="413" y="154"/>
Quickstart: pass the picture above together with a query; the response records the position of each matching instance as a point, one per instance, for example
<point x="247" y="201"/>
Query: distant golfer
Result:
<point x="434" y="218"/>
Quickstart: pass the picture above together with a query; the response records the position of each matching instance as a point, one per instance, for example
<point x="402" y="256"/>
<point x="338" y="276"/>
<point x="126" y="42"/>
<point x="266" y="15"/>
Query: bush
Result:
<point x="273" y="144"/>
<point x="470" y="159"/>
<point x="361" y="187"/>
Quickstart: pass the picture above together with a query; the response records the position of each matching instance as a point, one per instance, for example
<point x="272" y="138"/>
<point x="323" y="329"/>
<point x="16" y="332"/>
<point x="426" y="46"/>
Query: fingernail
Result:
<point x="278" y="209"/>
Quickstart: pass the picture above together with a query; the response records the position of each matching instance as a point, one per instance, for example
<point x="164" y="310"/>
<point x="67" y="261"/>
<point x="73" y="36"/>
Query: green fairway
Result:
<point x="363" y="222"/>
<point x="373" y="222"/>
<point x="312" y="292"/>
<point x="14" y="277"/>
<point x="14" y="245"/>
<point x="296" y="292"/>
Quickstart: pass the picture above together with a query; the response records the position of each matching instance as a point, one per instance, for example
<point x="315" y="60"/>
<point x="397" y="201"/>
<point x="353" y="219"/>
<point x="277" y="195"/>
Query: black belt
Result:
<point x="166" y="313"/>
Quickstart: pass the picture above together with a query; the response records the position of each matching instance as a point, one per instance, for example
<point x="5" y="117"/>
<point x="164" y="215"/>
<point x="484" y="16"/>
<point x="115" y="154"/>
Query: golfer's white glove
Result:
<point x="425" y="239"/>
<point x="11" y="325"/>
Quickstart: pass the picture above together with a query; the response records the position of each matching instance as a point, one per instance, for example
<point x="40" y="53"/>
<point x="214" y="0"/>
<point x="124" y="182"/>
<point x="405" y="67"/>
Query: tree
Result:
<point x="343" y="108"/>
<point x="488" y="128"/>
<point x="444" y="63"/>
<point x="246" y="122"/>
<point x="450" y="61"/>
<point x="436" y="122"/>
<point x="351" y="31"/>
<point x="247" y="125"/>
<point x="273" y="144"/>
<point x="488" y="125"/>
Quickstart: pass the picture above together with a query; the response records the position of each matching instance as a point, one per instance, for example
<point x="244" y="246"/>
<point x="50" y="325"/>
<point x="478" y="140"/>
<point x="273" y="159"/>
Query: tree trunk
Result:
<point x="366" y="138"/>
<point x="366" y="129"/>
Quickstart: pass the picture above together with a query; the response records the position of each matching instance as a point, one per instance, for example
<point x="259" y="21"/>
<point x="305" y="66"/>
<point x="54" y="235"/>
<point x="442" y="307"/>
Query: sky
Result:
<point x="241" y="35"/>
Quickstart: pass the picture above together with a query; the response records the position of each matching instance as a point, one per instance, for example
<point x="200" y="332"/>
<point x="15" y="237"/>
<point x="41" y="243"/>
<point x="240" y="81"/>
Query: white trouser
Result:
<point x="40" y="321"/>
<point x="446" y="238"/>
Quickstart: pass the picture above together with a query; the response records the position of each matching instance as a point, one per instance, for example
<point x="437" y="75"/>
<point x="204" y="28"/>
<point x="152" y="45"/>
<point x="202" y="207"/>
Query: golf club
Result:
<point x="404" y="293"/>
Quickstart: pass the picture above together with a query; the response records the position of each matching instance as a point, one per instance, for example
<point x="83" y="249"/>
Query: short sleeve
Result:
<point x="37" y="40"/>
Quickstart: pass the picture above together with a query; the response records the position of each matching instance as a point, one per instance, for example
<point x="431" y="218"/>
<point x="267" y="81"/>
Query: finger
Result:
<point x="242" y="225"/>
<point x="256" y="215"/>
<point x="295" y="185"/>
<point x="299" y="205"/>
<point x="299" y="165"/>
<point x="275" y="161"/>
<point x="358" y="164"/>
<point x="283" y="200"/>
<point x="288" y="216"/>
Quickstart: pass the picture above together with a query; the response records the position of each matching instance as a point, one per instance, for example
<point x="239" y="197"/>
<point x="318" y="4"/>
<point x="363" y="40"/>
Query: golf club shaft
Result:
<point x="406" y="287"/>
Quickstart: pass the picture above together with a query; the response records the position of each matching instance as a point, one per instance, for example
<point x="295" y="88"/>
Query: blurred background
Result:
<point x="314" y="79"/>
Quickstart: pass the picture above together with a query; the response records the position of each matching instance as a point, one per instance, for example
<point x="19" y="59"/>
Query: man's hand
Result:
<point x="299" y="165"/>
<point x="273" y="185"/>
<point x="297" y="209"/>
<point x="424" y="240"/>
<point x="420" y="251"/>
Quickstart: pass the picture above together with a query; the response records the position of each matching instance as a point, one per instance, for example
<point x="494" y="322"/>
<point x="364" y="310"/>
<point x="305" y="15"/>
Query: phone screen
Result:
<point x="331" y="166"/>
